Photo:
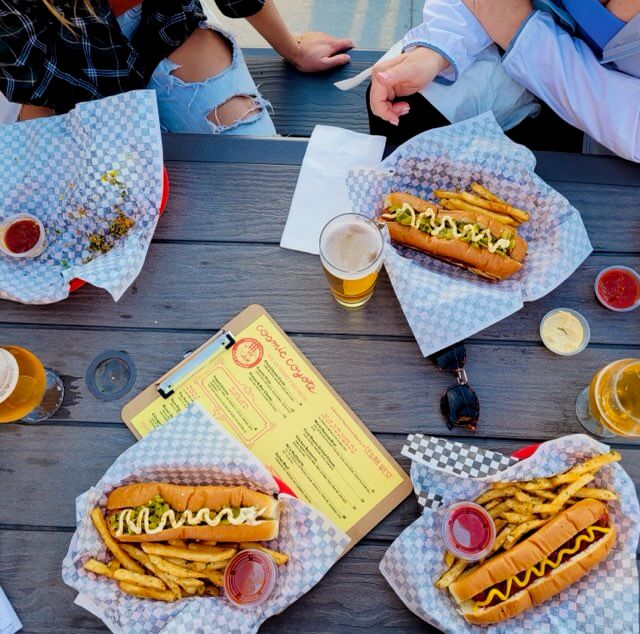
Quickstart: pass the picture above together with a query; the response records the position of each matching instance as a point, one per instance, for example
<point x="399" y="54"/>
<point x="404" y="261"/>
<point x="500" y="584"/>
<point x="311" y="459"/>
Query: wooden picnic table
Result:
<point x="216" y="251"/>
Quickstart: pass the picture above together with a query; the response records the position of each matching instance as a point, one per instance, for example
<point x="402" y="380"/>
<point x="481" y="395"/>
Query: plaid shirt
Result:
<point x="44" y="64"/>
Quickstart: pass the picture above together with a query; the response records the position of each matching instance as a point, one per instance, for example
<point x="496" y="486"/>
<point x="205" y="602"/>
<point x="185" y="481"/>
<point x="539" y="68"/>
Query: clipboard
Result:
<point x="248" y="353"/>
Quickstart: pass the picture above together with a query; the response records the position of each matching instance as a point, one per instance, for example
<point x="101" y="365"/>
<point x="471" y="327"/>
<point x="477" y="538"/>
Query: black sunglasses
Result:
<point x="459" y="404"/>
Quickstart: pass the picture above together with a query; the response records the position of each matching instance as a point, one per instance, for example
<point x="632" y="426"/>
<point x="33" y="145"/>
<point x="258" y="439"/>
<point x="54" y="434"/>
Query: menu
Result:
<point x="265" y="393"/>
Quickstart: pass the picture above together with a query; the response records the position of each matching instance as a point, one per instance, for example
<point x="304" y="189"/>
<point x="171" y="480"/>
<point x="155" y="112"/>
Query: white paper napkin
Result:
<point x="9" y="621"/>
<point x="321" y="192"/>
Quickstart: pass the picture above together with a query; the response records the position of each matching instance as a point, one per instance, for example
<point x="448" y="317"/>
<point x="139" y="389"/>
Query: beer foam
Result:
<point x="352" y="247"/>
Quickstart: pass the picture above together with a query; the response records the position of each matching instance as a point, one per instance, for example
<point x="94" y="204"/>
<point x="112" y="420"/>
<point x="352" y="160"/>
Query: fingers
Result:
<point x="400" y="108"/>
<point x="398" y="74"/>
<point x="335" y="60"/>
<point x="338" y="45"/>
<point x="380" y="100"/>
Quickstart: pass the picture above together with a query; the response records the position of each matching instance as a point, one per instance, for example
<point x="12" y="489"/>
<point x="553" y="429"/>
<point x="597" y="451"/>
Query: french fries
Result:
<point x="493" y="494"/>
<point x="462" y="205"/>
<point x="451" y="575"/>
<point x="279" y="558"/>
<point x="449" y="559"/>
<point x="98" y="568"/>
<point x="485" y="193"/>
<point x="519" y="508"/>
<point x="521" y="530"/>
<point x="172" y="570"/>
<point x="153" y="548"/>
<point x="590" y="465"/>
<point x="597" y="494"/>
<point x="212" y="550"/>
<point x="143" y="558"/>
<point x="180" y="572"/>
<point x="555" y="506"/>
<point x="501" y="537"/>
<point x="501" y="208"/>
<point x="146" y="593"/>
<point x="517" y="518"/>
<point x="101" y="526"/>
<point x="482" y="200"/>
<point x="144" y="581"/>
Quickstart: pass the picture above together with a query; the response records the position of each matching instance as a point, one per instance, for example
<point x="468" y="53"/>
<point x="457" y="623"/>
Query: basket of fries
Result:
<point x="567" y="523"/>
<point x="474" y="232"/>
<point x="178" y="530"/>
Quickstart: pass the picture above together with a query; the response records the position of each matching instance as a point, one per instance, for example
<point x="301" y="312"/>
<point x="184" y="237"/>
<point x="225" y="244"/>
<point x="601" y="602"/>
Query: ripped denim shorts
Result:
<point x="185" y="107"/>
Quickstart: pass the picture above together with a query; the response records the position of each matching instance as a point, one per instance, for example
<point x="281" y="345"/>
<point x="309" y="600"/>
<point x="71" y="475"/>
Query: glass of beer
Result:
<point x="610" y="406"/>
<point x="28" y="391"/>
<point x="351" y="247"/>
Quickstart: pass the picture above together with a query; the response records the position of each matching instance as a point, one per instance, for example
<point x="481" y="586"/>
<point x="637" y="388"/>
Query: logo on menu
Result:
<point x="247" y="352"/>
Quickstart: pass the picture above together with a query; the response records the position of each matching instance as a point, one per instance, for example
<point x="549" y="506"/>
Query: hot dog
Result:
<point x="540" y="567"/>
<point x="158" y="511"/>
<point x="469" y="239"/>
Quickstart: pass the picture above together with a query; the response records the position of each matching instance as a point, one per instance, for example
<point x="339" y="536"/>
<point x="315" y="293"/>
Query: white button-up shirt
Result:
<point x="558" y="68"/>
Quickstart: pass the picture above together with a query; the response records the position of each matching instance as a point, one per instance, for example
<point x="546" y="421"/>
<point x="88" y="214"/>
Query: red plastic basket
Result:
<point x="77" y="283"/>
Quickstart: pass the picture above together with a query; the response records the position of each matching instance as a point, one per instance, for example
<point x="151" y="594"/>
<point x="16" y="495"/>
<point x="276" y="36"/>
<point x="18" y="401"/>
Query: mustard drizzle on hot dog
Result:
<point x="429" y="222"/>
<point x="542" y="566"/>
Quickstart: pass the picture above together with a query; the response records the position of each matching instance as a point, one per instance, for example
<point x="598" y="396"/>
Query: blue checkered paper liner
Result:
<point x="52" y="168"/>
<point x="194" y="449"/>
<point x="443" y="303"/>
<point x="604" y="600"/>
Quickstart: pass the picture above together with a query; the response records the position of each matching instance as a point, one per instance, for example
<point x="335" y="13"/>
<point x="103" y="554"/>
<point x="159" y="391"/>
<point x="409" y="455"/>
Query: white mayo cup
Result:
<point x="586" y="332"/>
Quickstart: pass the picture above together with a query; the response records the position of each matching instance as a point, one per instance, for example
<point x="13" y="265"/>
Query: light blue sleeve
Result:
<point x="564" y="73"/>
<point x="450" y="29"/>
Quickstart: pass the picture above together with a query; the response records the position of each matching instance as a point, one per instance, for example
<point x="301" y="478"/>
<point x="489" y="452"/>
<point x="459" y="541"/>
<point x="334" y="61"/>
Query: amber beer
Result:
<point x="613" y="400"/>
<point x="22" y="383"/>
<point x="351" y="254"/>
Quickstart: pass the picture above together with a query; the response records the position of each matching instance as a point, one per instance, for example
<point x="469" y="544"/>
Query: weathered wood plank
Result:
<point x="525" y="391"/>
<point x="30" y="564"/>
<point x="301" y="101"/>
<point x="251" y="204"/>
<point x="551" y="166"/>
<point x="200" y="286"/>
<point x="35" y="454"/>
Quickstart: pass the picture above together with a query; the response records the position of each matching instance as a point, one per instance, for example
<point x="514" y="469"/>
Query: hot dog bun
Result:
<point x="493" y="266"/>
<point x="543" y="543"/>
<point x="194" y="498"/>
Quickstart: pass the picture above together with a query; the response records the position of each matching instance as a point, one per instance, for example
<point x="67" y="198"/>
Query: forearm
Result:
<point x="449" y="28"/>
<point x="603" y="103"/>
<point x="270" y="24"/>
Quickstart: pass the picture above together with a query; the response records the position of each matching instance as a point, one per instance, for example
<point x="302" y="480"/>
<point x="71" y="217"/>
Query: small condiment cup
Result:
<point x="475" y="517"/>
<point x="631" y="272"/>
<point x="36" y="250"/>
<point x="250" y="578"/>
<point x="586" y="332"/>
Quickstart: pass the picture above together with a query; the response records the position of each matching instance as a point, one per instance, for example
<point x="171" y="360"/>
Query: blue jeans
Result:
<point x="185" y="107"/>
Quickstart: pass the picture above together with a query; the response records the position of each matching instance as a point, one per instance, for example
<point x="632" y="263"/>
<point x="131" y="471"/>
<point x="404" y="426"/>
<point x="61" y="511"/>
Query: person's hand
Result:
<point x="400" y="77"/>
<point x="500" y="18"/>
<point x="319" y="51"/>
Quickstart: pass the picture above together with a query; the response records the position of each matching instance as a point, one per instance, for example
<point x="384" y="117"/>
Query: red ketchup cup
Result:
<point x="618" y="288"/>
<point x="468" y="531"/>
<point x="22" y="236"/>
<point x="250" y="578"/>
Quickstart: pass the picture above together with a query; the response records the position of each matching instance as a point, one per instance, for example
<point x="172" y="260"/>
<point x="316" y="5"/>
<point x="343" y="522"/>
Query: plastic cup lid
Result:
<point x="9" y="374"/>
<point x="250" y="578"/>
<point x="111" y="375"/>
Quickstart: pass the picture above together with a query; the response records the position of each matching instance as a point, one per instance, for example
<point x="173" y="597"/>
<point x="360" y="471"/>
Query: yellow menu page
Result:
<point x="266" y="395"/>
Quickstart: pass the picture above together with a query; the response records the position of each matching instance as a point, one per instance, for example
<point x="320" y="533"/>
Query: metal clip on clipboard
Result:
<point x="170" y="383"/>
